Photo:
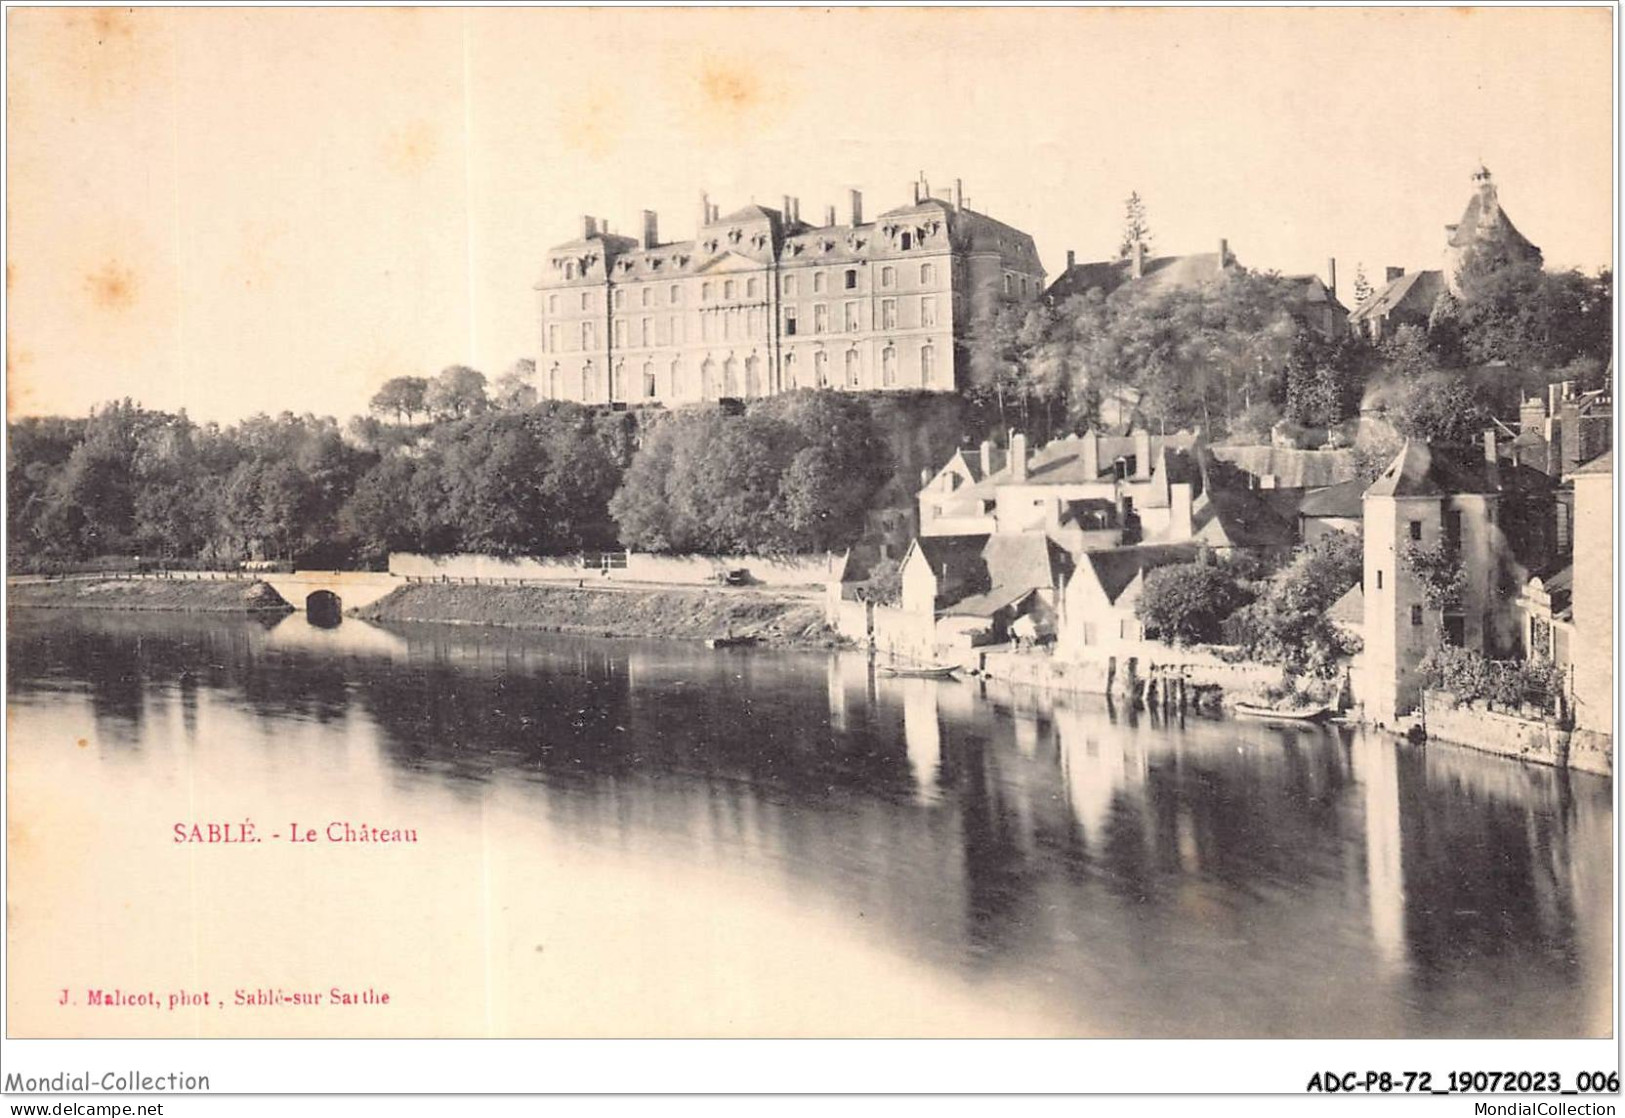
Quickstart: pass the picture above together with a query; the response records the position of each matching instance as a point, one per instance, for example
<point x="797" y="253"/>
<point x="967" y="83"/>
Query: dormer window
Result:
<point x="907" y="241"/>
<point x="733" y="236"/>
<point x="569" y="269"/>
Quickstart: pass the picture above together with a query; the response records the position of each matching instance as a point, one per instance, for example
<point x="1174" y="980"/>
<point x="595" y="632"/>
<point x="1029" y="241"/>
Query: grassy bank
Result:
<point x="685" y="614"/>
<point x="179" y="595"/>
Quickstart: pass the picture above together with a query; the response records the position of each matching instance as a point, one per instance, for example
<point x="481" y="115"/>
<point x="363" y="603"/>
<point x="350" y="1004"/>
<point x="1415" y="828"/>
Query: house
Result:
<point x="1428" y="500"/>
<point x="1138" y="273"/>
<point x="1402" y="300"/>
<point x="1592" y="599"/>
<point x="1335" y="508"/>
<point x="982" y="584"/>
<point x="1097" y="606"/>
<point x="940" y="570"/>
<point x="1347" y="614"/>
<point x="1545" y="609"/>
<point x="1317" y="305"/>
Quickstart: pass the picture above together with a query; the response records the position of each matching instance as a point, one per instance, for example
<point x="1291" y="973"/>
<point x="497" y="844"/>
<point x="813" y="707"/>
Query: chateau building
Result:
<point x="761" y="302"/>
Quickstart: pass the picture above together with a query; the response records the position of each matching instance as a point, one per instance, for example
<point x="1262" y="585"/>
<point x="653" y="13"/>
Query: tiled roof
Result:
<point x="1415" y="292"/>
<point x="1159" y="273"/>
<point x="1602" y="464"/>
<point x="1341" y="501"/>
<point x="1291" y="468"/>
<point x="959" y="553"/>
<point x="1116" y="567"/>
<point x="1237" y="518"/>
<point x="1028" y="559"/>
<point x="1423" y="471"/>
<point x="1350" y="608"/>
<point x="990" y="603"/>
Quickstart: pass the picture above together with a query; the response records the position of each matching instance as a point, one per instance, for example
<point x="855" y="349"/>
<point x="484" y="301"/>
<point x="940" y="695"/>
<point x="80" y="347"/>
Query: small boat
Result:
<point x="730" y="642"/>
<point x="937" y="671"/>
<point x="1283" y="714"/>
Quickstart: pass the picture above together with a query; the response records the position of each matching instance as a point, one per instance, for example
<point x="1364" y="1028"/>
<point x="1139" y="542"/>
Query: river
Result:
<point x="621" y="838"/>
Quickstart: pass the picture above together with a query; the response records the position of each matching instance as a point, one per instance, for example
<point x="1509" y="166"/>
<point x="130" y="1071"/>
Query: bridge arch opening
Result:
<point x="324" y="609"/>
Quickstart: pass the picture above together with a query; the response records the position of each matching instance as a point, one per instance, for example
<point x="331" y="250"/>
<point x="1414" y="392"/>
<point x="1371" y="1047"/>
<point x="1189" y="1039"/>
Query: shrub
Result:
<point x="1469" y="676"/>
<point x="1187" y="603"/>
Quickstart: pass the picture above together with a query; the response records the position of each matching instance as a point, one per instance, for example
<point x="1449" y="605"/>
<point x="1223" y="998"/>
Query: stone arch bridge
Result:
<point x="333" y="591"/>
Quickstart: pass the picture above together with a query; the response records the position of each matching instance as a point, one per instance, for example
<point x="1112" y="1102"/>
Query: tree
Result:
<point x="400" y="397"/>
<point x="1362" y="286"/>
<point x="1187" y="602"/>
<point x="1136" y="230"/>
<point x="1324" y="378"/>
<point x="516" y="388"/>
<point x="456" y="393"/>
<point x="1442" y="407"/>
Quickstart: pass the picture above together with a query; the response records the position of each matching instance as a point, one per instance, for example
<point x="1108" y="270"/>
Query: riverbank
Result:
<point x="773" y="618"/>
<point x="171" y="595"/>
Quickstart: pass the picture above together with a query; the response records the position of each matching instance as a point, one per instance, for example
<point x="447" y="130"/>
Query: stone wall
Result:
<point x="1493" y="731"/>
<point x="694" y="570"/>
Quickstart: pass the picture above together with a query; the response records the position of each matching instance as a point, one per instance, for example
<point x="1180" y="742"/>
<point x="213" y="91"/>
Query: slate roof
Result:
<point x="1602" y="464"/>
<point x="1349" y="610"/>
<point x="1028" y="560"/>
<point x="1159" y="273"/>
<point x="1237" y="518"/>
<point x="1415" y="292"/>
<point x="1060" y="462"/>
<point x="990" y="603"/>
<point x="958" y="553"/>
<point x="1423" y="471"/>
<point x="1116" y="567"/>
<point x="1343" y="501"/>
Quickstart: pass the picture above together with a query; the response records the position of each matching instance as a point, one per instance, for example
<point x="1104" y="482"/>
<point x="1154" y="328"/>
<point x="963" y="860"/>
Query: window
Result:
<point x="888" y="276"/>
<point x="708" y="379"/>
<point x="750" y="289"/>
<point x="854" y="368"/>
<point x="753" y="386"/>
<point x="569" y="269"/>
<point x="1455" y="630"/>
<point x="1452" y="530"/>
<point x="589" y="336"/>
<point x="727" y="289"/>
<point x="708" y="327"/>
<point x="1416" y="529"/>
<point x="820" y="318"/>
<point x="620" y="298"/>
<point x="1009" y="286"/>
<point x="821" y="369"/>
<point x="675" y="295"/>
<point x="1416" y="615"/>
<point x="1379" y="580"/>
<point x="907" y="241"/>
<point x="928" y="310"/>
<point x="646" y="296"/>
<point x="888" y="313"/>
<point x="553" y="338"/>
<point x="648" y="380"/>
<point x="789" y="321"/>
<point x="928" y="273"/>
<point x="553" y="382"/>
<point x="1023" y="287"/>
<point x="646" y="333"/>
<point x="850" y="318"/>
<point x="617" y="381"/>
<point x="727" y="325"/>
<point x="662" y="331"/>
<point x="586" y="301"/>
<point x="888" y="366"/>
<point x="851" y="279"/>
<point x="790" y="371"/>
<point x="705" y="293"/>
<point x="589" y="383"/>
<point x="789" y="285"/>
<point x="552" y="304"/>
<point x="730" y="377"/>
<point x="674" y="385"/>
<point x="818" y="283"/>
<point x="676" y="330"/>
<point x="620" y="331"/>
<point x="928" y="364"/>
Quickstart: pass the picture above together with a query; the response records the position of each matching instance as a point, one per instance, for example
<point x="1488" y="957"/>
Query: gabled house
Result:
<point x="1097" y="606"/>
<point x="1402" y="300"/>
<point x="1334" y="508"/>
<point x="940" y="570"/>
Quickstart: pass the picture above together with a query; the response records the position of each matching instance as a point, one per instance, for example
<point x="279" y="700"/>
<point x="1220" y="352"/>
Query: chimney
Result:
<point x="785" y="211"/>
<point x="829" y="215"/>
<point x="1224" y="253"/>
<point x="855" y="198"/>
<point x="1180" y="527"/>
<point x="716" y="212"/>
<point x="1071" y="260"/>
<point x="1489" y="446"/>
<point x="1142" y="454"/>
<point x="1331" y="275"/>
<point x="1089" y="454"/>
<point x="925" y="476"/>
<point x="959" y="195"/>
<point x="1137" y="262"/>
<point x="1554" y="397"/>
<point x="796" y="204"/>
<point x="987" y="458"/>
<point x="918" y="183"/>
<point x="1394" y="273"/>
<point x="651" y="229"/>
<point x="589" y="227"/>
<point x="705" y="209"/>
<point x="1018" y="456"/>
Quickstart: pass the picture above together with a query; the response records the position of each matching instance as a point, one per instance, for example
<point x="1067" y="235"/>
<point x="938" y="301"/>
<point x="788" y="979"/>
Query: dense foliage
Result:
<point x="1286" y="623"/>
<point x="1470" y="676"/>
<point x="1187" y="603"/>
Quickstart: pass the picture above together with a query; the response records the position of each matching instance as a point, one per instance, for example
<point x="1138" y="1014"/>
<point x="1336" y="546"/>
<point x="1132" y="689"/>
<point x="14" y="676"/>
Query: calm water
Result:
<point x="621" y="838"/>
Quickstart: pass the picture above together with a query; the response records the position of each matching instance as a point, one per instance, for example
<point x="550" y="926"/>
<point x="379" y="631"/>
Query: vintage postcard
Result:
<point x="808" y="523"/>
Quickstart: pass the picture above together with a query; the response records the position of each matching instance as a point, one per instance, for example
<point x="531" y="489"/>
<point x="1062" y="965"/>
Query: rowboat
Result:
<point x="1283" y="714"/>
<point x="729" y="642"/>
<point x="943" y="671"/>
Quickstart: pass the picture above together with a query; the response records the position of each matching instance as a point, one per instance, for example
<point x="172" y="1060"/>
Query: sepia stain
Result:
<point x="111" y="23"/>
<point x="412" y="149"/>
<point x="20" y="395"/>
<point x="592" y="121"/>
<point x="730" y="88"/>
<point x="82" y="743"/>
<point x="724" y="96"/>
<point x="112" y="287"/>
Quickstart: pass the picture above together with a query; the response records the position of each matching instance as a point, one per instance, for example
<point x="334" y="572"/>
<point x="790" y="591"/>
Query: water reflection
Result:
<point x="1058" y="866"/>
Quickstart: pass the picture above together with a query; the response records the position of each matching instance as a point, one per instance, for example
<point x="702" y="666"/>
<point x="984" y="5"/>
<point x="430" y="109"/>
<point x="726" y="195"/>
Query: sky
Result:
<point x="233" y="211"/>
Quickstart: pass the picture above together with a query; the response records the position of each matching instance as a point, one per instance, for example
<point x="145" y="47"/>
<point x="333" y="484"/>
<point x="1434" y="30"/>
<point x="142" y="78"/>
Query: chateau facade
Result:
<point x="762" y="302"/>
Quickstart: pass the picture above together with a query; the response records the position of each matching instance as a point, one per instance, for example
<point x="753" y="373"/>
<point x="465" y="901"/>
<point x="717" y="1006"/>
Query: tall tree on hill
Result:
<point x="458" y="392"/>
<point x="401" y="397"/>
<point x="1362" y="286"/>
<point x="1136" y="230"/>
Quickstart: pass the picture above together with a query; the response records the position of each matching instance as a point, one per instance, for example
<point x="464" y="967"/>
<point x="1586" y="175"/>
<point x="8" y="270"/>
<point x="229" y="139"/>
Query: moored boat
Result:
<point x="930" y="671"/>
<point x="1283" y="714"/>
